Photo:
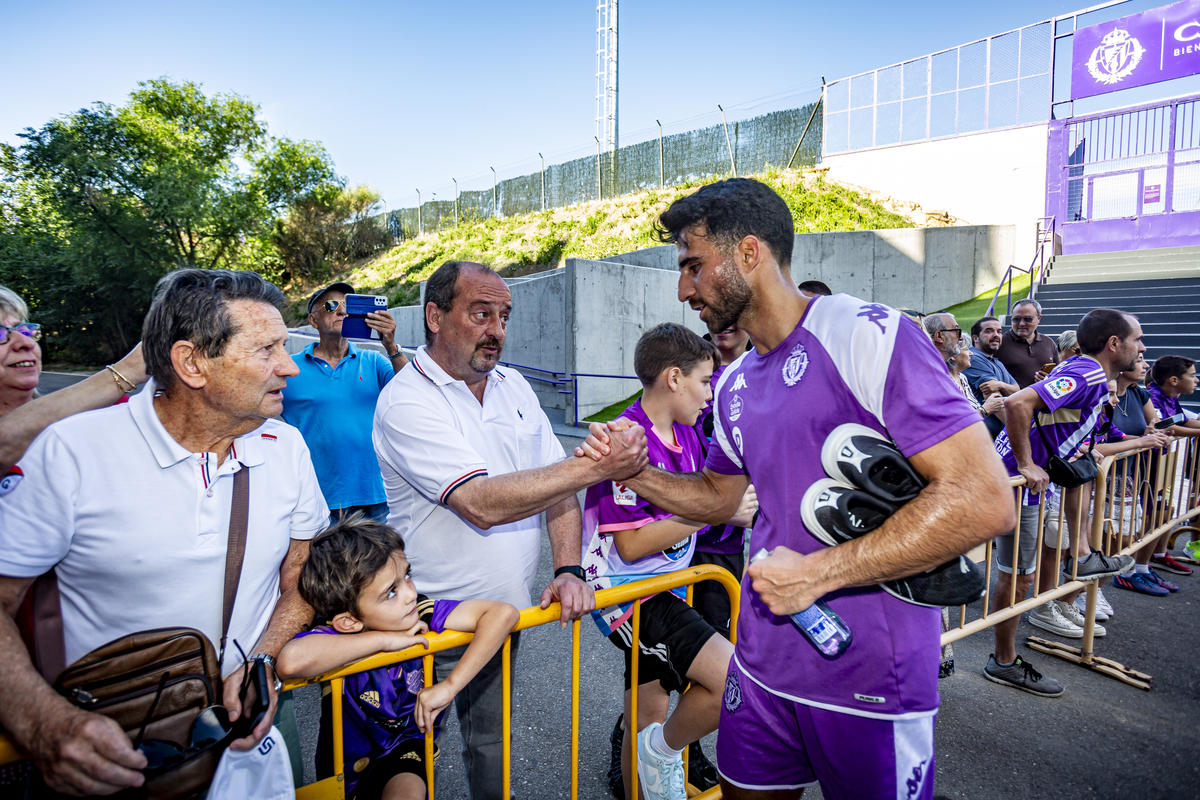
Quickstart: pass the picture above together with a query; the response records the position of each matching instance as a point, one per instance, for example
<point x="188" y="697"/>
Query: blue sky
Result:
<point x="407" y="95"/>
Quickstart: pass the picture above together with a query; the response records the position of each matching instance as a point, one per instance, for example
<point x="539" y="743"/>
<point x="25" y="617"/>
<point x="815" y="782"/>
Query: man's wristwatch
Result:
<point x="574" y="569"/>
<point x="398" y="352"/>
<point x="269" y="660"/>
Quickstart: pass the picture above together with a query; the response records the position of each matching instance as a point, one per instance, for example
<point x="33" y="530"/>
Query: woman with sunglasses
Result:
<point x="23" y="414"/>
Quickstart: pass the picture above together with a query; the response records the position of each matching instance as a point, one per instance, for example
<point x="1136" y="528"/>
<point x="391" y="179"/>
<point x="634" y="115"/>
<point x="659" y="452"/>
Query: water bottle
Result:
<point x="820" y="624"/>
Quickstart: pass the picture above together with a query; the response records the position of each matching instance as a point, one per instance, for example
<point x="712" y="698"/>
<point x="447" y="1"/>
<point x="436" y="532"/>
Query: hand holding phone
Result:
<point x="1169" y="422"/>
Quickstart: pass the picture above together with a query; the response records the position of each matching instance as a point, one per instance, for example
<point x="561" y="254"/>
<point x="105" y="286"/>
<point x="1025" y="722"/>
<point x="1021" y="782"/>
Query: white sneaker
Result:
<point x="1081" y="606"/>
<point x="1049" y="618"/>
<point x="660" y="777"/>
<point x="1078" y="618"/>
<point x="1103" y="605"/>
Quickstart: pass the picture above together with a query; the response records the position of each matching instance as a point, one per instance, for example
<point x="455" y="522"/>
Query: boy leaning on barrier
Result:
<point x="632" y="539"/>
<point x="360" y="585"/>
<point x="1172" y="377"/>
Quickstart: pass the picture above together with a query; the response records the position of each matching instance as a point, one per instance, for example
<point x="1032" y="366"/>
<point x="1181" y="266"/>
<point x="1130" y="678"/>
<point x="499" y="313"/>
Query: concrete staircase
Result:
<point x="1162" y="287"/>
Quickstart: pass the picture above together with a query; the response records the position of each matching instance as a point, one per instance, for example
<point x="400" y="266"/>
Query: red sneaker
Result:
<point x="1168" y="564"/>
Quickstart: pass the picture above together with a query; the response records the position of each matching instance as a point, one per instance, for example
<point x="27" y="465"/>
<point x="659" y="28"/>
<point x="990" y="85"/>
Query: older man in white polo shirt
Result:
<point x="130" y="506"/>
<point x="469" y="462"/>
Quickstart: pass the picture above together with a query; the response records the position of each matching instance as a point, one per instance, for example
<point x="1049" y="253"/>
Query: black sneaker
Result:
<point x="857" y="455"/>
<point x="701" y="773"/>
<point x="1021" y="675"/>
<point x="955" y="583"/>
<point x="835" y="513"/>
<point x="616" y="781"/>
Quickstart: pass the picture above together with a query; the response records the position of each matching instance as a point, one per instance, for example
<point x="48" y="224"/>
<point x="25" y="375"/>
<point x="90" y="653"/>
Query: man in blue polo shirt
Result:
<point x="987" y="376"/>
<point x="332" y="402"/>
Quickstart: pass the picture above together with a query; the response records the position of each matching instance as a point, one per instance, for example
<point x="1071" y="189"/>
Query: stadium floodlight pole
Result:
<point x="599" y="193"/>
<point x="662" y="177"/>
<point x="810" y="119"/>
<point x="495" y="205"/>
<point x="420" y="219"/>
<point x="728" y="143"/>
<point x="543" y="158"/>
<point x="455" y="201"/>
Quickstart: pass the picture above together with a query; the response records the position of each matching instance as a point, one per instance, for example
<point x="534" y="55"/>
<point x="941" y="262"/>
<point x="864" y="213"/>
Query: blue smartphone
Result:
<point x="357" y="308"/>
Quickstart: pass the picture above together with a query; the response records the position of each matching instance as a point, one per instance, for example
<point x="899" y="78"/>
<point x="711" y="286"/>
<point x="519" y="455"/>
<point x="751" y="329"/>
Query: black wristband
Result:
<point x="574" y="569"/>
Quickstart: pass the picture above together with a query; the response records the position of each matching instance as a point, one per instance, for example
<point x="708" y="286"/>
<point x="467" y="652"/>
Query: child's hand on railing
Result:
<point x="430" y="702"/>
<point x="402" y="640"/>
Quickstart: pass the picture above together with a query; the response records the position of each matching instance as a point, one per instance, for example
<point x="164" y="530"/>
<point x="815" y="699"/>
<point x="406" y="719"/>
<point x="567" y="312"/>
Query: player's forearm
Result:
<point x="692" y="495"/>
<point x="1019" y="418"/>
<point x="500" y="499"/>
<point x="491" y="629"/>
<point x="564" y="525"/>
<point x="653" y="537"/>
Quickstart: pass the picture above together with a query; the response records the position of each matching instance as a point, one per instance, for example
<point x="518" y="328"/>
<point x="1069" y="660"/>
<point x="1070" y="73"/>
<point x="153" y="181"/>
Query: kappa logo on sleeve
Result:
<point x="10" y="480"/>
<point x="623" y="495"/>
<point x="1061" y="387"/>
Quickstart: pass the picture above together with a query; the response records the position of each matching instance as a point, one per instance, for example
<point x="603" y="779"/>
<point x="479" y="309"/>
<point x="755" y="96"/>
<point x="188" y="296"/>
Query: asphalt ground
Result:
<point x="1100" y="739"/>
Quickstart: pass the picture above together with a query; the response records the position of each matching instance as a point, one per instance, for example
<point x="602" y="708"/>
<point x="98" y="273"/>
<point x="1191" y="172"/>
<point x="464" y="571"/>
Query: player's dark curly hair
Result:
<point x="729" y="211"/>
<point x="342" y="562"/>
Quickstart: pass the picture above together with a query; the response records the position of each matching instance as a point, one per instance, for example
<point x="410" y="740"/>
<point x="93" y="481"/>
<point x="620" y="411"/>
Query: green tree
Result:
<point x="328" y="229"/>
<point x="99" y="204"/>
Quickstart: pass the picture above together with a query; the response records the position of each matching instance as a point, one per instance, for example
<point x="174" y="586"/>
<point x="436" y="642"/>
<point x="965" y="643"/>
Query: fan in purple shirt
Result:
<point x="862" y="725"/>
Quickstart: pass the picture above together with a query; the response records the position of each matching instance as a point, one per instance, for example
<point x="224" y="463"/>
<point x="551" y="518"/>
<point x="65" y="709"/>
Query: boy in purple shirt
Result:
<point x="631" y="539"/>
<point x="359" y="583"/>
<point x="1171" y="378"/>
<point x="860" y="725"/>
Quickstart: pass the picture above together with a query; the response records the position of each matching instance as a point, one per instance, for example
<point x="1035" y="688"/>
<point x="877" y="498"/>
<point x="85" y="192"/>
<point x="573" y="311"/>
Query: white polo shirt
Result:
<point x="432" y="436"/>
<point x="138" y="526"/>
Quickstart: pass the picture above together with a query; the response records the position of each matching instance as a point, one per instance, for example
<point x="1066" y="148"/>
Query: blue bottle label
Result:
<point x="814" y="621"/>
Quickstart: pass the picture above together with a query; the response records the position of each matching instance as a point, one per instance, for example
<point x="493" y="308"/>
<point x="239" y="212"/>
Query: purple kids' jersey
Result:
<point x="1074" y="393"/>
<point x="613" y="506"/>
<point x="377" y="714"/>
<point x="1167" y="406"/>
<point x="847" y="361"/>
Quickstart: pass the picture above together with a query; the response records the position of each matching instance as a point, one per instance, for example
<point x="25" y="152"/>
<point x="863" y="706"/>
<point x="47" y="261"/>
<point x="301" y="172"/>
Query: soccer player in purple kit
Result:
<point x="860" y="725"/>
<point x="1068" y="404"/>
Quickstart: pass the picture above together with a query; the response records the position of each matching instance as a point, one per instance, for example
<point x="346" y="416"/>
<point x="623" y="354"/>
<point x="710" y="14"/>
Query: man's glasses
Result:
<point x="1023" y="319"/>
<point x="31" y="329"/>
<point x="332" y="305"/>
<point x="953" y="330"/>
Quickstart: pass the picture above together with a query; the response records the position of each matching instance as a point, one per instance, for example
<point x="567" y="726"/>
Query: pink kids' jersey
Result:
<point x="614" y="507"/>
<point x="847" y="361"/>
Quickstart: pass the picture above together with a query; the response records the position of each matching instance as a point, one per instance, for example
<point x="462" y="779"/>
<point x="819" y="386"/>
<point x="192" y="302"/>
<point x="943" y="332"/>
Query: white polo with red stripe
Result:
<point x="432" y="436"/>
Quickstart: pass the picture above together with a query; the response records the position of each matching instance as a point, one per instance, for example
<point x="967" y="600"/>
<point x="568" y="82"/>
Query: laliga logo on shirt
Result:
<point x="1060" y="387"/>
<point x="1115" y="58"/>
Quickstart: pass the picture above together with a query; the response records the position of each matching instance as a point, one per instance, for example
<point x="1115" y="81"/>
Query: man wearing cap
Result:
<point x="332" y="402"/>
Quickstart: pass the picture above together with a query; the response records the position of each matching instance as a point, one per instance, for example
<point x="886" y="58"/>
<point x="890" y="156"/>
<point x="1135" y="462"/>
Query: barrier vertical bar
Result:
<point x="575" y="710"/>
<point x="339" y="752"/>
<point x="506" y="687"/>
<point x="427" y="664"/>
<point x="631" y="724"/>
<point x="1012" y="585"/>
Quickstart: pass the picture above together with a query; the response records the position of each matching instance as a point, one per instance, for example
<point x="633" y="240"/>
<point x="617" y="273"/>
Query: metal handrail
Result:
<point x="1038" y="262"/>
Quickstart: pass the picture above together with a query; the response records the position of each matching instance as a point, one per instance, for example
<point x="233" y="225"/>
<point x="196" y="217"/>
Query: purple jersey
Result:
<point x="377" y="714"/>
<point x="1074" y="394"/>
<point x="1167" y="406"/>
<point x="726" y="539"/>
<point x="615" y="507"/>
<point x="847" y="361"/>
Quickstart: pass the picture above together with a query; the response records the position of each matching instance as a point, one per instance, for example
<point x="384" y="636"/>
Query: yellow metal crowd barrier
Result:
<point x="1136" y="498"/>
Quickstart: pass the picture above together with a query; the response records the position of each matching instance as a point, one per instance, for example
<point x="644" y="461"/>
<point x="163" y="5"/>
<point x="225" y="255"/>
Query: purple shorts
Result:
<point x="767" y="742"/>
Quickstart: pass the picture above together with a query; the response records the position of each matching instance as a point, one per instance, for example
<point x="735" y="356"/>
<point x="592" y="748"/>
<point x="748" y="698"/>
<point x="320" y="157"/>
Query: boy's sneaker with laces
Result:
<point x="1081" y="606"/>
<point x="1139" y="582"/>
<point x="1049" y="618"/>
<point x="1102" y="604"/>
<point x="1163" y="582"/>
<point x="1097" y="566"/>
<point x="1075" y="616"/>
<point x="1165" y="563"/>
<point x="660" y="777"/>
<point x="1021" y="675"/>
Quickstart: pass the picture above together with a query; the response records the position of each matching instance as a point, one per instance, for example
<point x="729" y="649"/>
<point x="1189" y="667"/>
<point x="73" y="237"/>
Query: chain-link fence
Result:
<point x="753" y="145"/>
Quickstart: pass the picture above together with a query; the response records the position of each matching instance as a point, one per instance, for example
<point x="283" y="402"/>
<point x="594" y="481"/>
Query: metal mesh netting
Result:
<point x="757" y="143"/>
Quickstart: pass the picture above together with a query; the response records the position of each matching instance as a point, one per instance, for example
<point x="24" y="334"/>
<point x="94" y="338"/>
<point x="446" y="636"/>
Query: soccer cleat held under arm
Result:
<point x="861" y="457"/>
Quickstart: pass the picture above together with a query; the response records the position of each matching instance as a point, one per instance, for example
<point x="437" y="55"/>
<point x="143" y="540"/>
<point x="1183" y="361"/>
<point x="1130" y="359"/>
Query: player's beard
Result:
<point x="731" y="297"/>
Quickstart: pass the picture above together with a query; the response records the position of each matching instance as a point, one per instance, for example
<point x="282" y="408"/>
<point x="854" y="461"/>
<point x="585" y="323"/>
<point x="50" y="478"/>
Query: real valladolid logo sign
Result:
<point x="1156" y="45"/>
